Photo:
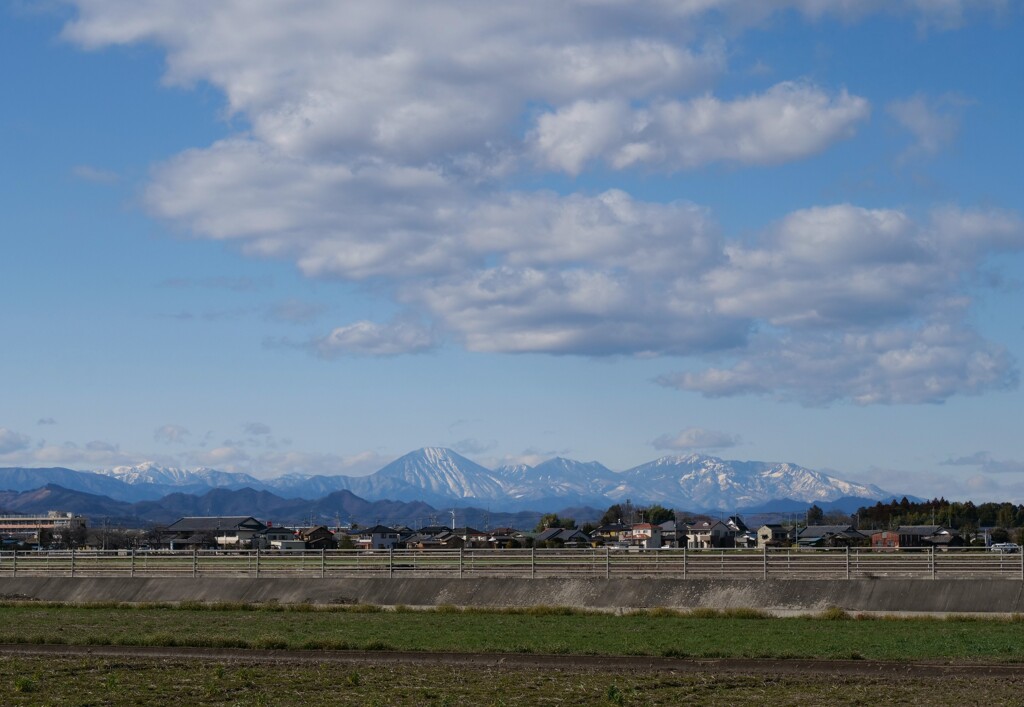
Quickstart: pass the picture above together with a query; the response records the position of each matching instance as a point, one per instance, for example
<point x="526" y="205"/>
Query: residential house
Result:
<point x="908" y="536"/>
<point x="317" y="537"/>
<point x="742" y="535"/>
<point x="280" y="538"/>
<point x="564" y="537"/>
<point x="669" y="533"/>
<point x="707" y="534"/>
<point x="772" y="535"/>
<point x="643" y="535"/>
<point x="830" y="536"/>
<point x="215" y="531"/>
<point x="379" y="537"/>
<point x="472" y="537"/>
<point x="609" y="533"/>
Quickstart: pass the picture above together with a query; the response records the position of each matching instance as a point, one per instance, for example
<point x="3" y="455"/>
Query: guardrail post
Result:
<point x="931" y="559"/>
<point x="72" y="562"/>
<point x="462" y="552"/>
<point x="847" y="561"/>
<point x="764" y="561"/>
<point x="391" y="561"/>
<point x="132" y="573"/>
<point x="684" y="560"/>
<point x="533" y="562"/>
<point x="1021" y="555"/>
<point x="608" y="562"/>
<point x="323" y="562"/>
<point x="14" y="564"/>
<point x="257" y="561"/>
<point x="195" y="560"/>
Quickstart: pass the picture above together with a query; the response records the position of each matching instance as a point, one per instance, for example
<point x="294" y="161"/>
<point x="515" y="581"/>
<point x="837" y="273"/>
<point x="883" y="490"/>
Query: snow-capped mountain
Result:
<point x="152" y="473"/>
<point x="442" y="477"/>
<point x="567" y="480"/>
<point x="431" y="474"/>
<point x="712" y="483"/>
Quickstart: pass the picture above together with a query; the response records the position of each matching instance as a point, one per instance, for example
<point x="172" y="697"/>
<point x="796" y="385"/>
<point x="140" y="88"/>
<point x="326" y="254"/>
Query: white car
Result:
<point x="1005" y="547"/>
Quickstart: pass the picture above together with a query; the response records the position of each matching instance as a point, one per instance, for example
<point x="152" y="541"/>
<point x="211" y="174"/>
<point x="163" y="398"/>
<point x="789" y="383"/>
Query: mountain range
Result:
<point x="441" y="477"/>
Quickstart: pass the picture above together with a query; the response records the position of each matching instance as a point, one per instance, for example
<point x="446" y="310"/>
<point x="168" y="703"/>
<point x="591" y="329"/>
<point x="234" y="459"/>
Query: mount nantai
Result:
<point x="440" y="476"/>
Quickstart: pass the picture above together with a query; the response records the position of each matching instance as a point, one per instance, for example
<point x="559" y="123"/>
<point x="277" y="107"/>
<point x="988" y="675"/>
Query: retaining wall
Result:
<point x="886" y="595"/>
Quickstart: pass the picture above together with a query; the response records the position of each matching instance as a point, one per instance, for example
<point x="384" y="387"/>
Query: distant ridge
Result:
<point x="440" y="477"/>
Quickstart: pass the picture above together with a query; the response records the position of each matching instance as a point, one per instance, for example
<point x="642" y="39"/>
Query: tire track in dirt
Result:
<point x="534" y="661"/>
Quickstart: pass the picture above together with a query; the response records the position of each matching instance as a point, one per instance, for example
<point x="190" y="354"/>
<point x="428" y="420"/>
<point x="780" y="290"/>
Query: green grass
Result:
<point x="699" y="634"/>
<point x="95" y="681"/>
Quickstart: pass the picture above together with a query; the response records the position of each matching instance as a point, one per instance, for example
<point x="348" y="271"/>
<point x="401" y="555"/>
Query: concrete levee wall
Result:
<point x="888" y="595"/>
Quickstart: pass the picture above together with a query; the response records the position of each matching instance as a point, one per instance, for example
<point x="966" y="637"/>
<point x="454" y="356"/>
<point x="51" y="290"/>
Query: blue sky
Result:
<point x="312" y="238"/>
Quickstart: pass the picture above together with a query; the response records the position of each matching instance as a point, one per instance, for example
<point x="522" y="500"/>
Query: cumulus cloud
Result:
<point x="381" y="140"/>
<point x="691" y="438"/>
<point x="927" y="364"/>
<point x="787" y="122"/>
<point x="171" y="434"/>
<point x="11" y="441"/>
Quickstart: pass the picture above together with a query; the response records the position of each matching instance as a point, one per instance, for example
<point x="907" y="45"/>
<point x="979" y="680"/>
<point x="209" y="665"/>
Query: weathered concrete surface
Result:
<point x="888" y="595"/>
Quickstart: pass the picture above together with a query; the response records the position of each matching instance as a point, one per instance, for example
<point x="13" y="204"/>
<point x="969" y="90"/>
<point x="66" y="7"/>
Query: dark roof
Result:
<point x="563" y="534"/>
<point x="201" y="524"/>
<point x="821" y="531"/>
<point x="378" y="530"/>
<point x="467" y="531"/>
<point x="433" y="530"/>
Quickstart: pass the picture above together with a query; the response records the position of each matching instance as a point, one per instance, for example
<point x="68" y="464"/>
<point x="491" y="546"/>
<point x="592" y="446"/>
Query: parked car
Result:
<point x="1005" y="547"/>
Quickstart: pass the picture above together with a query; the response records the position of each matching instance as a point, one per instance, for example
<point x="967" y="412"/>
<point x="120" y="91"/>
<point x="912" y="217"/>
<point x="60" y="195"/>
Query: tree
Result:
<point x="657" y="514"/>
<point x="612" y="515"/>
<point x="1000" y="535"/>
<point x="815" y="515"/>
<point x="551" y="520"/>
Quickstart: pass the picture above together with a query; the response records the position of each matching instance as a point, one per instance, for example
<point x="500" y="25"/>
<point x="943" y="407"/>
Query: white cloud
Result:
<point x="371" y="339"/>
<point x="171" y="434"/>
<point x="789" y="121"/>
<point x="94" y="455"/>
<point x="925" y="364"/>
<point x="380" y="140"/>
<point x="94" y="174"/>
<point x="986" y="463"/>
<point x="933" y="123"/>
<point x="11" y="441"/>
<point x="691" y="438"/>
<point x="257" y="429"/>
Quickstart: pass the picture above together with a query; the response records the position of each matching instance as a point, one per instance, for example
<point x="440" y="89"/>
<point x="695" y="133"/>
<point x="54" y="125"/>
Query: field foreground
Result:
<point x="228" y="654"/>
<point x="121" y="675"/>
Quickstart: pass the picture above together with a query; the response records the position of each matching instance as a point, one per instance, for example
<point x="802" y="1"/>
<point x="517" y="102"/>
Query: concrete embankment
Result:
<point x="883" y="595"/>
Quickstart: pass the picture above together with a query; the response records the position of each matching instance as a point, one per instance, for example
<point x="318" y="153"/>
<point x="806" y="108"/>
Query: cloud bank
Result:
<point x="386" y="143"/>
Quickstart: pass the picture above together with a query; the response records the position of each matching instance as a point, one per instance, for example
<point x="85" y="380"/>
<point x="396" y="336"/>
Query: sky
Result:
<point x="310" y="237"/>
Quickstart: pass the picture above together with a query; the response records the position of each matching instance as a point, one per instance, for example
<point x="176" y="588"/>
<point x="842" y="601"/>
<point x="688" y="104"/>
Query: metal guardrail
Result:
<point x="606" y="563"/>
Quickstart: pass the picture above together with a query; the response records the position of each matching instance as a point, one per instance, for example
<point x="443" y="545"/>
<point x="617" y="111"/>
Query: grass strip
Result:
<point x="543" y="630"/>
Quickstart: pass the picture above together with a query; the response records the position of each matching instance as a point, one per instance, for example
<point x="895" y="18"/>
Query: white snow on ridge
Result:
<point x="439" y="475"/>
